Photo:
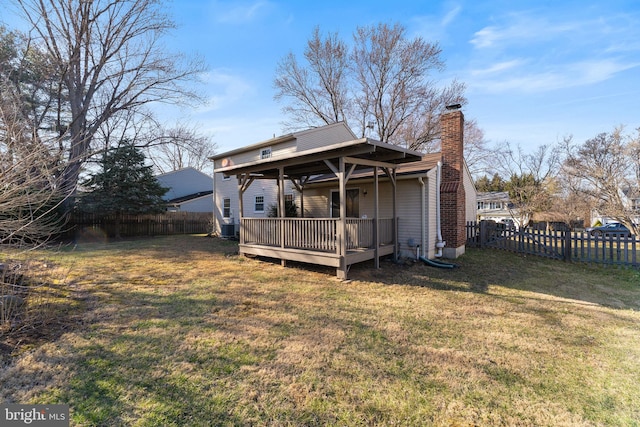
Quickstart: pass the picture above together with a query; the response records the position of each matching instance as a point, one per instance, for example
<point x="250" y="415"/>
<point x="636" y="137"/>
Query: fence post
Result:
<point x="483" y="233"/>
<point x="567" y="245"/>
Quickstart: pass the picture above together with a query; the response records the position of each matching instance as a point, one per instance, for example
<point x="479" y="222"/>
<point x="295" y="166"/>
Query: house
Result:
<point x="630" y="200"/>
<point x="358" y="199"/>
<point x="189" y="190"/>
<point x="494" y="206"/>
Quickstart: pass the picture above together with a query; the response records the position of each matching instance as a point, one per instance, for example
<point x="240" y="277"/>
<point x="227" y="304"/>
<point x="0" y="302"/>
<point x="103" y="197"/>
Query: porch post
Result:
<point x="301" y="200"/>
<point x="395" y="215"/>
<point x="281" y="210"/>
<point x="341" y="271"/>
<point x="376" y="218"/>
<point x="240" y="206"/>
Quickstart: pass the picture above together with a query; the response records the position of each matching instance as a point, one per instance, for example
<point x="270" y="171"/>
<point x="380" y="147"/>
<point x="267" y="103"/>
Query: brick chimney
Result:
<point x="452" y="195"/>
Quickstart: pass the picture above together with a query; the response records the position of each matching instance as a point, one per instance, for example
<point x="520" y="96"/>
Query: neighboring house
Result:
<point x="348" y="192"/>
<point x="189" y="190"/>
<point x="494" y="206"/>
<point x="631" y="201"/>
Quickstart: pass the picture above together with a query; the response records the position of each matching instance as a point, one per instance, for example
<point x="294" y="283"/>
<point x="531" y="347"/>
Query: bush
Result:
<point x="290" y="210"/>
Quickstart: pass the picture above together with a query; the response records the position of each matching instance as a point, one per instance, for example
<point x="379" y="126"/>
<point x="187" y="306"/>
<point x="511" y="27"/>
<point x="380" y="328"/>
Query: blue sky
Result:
<point x="536" y="71"/>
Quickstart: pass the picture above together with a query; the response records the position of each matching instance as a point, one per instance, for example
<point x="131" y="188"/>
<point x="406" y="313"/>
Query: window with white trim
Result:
<point x="258" y="206"/>
<point x="265" y="153"/>
<point x="226" y="207"/>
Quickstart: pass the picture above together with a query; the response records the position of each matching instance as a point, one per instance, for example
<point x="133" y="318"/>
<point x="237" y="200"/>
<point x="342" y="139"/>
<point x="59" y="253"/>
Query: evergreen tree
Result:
<point x="124" y="185"/>
<point x="496" y="183"/>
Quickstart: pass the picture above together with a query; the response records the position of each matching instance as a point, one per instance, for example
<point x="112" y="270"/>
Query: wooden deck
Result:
<point x="316" y="240"/>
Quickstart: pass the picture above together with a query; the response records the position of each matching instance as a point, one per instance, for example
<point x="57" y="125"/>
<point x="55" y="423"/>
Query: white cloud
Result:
<point x="524" y="28"/>
<point x="231" y="132"/>
<point x="241" y="12"/>
<point x="226" y="89"/>
<point x="451" y="16"/>
<point x="594" y="71"/>
<point x="581" y="73"/>
<point x="499" y="67"/>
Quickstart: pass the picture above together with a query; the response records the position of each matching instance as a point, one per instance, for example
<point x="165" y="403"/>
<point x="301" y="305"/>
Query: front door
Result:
<point x="353" y="203"/>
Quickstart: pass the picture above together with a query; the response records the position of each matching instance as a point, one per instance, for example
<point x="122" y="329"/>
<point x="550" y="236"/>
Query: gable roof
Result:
<point x="183" y="171"/>
<point x="493" y="196"/>
<point x="342" y="126"/>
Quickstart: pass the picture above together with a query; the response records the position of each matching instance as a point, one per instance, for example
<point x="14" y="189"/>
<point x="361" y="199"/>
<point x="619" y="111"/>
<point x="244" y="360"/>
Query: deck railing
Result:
<point x="314" y="234"/>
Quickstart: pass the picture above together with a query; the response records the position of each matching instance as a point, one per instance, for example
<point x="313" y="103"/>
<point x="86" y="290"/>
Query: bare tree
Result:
<point x="478" y="156"/>
<point x="29" y="187"/>
<point x="477" y="153"/>
<point x="182" y="147"/>
<point x="110" y="59"/>
<point x="383" y="87"/>
<point x="421" y="131"/>
<point x="319" y="92"/>
<point x="606" y="171"/>
<point x="532" y="184"/>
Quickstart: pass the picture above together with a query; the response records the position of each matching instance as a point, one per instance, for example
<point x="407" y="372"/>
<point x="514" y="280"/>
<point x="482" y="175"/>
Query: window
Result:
<point x="489" y="205"/>
<point x="265" y="153"/>
<point x="259" y="204"/>
<point x="226" y="207"/>
<point x="353" y="203"/>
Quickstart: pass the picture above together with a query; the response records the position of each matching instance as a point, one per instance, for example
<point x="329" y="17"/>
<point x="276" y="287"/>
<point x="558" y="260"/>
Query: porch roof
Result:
<point x="364" y="153"/>
<point x="416" y="168"/>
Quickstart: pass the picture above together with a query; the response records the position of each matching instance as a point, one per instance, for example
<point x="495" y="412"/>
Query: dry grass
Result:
<point x="181" y="331"/>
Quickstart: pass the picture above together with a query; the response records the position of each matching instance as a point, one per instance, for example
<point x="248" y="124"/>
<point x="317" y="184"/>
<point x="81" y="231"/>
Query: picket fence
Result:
<point x="140" y="225"/>
<point x="562" y="244"/>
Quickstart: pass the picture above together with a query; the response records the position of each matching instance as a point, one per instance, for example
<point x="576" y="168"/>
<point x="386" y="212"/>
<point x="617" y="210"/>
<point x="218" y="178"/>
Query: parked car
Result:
<point x="611" y="229"/>
<point x="505" y="224"/>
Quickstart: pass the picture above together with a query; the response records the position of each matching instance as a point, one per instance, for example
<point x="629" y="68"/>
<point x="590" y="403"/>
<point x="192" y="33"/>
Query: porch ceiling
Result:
<point x="363" y="152"/>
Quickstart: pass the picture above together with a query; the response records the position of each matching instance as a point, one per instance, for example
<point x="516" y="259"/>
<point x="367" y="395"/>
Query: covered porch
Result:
<point x="333" y="241"/>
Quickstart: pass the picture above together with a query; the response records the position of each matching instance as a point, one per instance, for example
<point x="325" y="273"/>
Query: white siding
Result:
<point x="409" y="216"/>
<point x="299" y="141"/>
<point x="316" y="203"/>
<point x="432" y="220"/>
<point x="229" y="189"/>
<point x="253" y="154"/>
<point x="225" y="188"/>
<point x="471" y="196"/>
<point x="321" y="137"/>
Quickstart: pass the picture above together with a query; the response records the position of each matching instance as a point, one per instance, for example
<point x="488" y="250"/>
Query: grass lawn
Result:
<point x="181" y="331"/>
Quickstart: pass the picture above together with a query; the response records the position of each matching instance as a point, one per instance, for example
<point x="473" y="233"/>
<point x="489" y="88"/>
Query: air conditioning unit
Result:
<point x="228" y="230"/>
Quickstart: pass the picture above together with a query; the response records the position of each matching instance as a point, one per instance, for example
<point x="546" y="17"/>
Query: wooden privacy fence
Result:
<point x="141" y="225"/>
<point x="562" y="244"/>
